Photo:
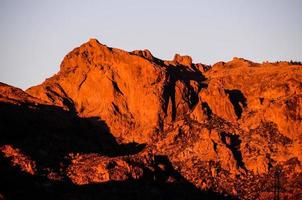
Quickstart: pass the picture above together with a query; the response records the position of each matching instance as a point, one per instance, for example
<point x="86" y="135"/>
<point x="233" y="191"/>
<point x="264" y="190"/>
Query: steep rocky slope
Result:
<point x="231" y="130"/>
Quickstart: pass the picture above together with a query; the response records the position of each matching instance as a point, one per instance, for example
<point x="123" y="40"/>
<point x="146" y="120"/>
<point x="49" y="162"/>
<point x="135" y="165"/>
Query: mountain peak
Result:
<point x="183" y="60"/>
<point x="93" y="41"/>
<point x="144" y="53"/>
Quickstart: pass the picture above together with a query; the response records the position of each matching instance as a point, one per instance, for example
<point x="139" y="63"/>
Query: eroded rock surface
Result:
<point x="110" y="117"/>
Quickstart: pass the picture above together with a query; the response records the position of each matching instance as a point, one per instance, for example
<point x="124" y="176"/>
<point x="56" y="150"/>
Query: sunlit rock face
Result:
<point x="111" y="118"/>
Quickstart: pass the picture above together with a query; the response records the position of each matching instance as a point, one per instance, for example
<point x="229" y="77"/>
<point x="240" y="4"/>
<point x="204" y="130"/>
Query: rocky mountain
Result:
<point x="116" y="124"/>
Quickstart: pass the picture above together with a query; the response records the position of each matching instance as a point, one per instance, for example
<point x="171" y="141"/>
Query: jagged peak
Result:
<point x="93" y="41"/>
<point x="183" y="59"/>
<point x="240" y="60"/>
<point x="143" y="53"/>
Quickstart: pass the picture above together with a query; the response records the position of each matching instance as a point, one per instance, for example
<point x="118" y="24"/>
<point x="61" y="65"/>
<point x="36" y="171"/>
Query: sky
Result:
<point x="35" y="35"/>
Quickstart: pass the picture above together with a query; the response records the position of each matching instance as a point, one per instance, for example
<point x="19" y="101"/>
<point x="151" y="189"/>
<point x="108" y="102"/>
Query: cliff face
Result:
<point x="111" y="115"/>
<point x="133" y="92"/>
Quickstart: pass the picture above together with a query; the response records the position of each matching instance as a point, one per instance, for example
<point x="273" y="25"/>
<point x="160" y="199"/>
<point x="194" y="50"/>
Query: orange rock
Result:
<point x="19" y="159"/>
<point x="183" y="60"/>
<point x="92" y="168"/>
<point x="112" y="84"/>
<point x="224" y="128"/>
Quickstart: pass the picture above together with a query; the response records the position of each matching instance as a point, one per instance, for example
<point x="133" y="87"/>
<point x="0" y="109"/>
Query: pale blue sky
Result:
<point x="36" y="35"/>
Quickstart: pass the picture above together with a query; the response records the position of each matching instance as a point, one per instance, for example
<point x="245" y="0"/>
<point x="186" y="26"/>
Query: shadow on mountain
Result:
<point x="48" y="133"/>
<point x="238" y="100"/>
<point x="186" y="76"/>
<point x="207" y="109"/>
<point x="233" y="144"/>
<point x="15" y="185"/>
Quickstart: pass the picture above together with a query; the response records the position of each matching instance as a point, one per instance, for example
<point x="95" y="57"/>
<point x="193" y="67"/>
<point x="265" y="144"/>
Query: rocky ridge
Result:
<point x="230" y="130"/>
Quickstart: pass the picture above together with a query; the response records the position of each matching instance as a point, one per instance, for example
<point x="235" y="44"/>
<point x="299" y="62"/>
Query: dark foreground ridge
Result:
<point x="56" y="133"/>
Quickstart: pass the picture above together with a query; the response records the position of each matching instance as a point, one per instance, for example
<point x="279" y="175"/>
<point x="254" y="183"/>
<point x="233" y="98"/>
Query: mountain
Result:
<point x="118" y="124"/>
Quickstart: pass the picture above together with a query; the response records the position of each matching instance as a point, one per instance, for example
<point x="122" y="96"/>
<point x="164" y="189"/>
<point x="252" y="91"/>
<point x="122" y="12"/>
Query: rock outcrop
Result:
<point x="110" y="116"/>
